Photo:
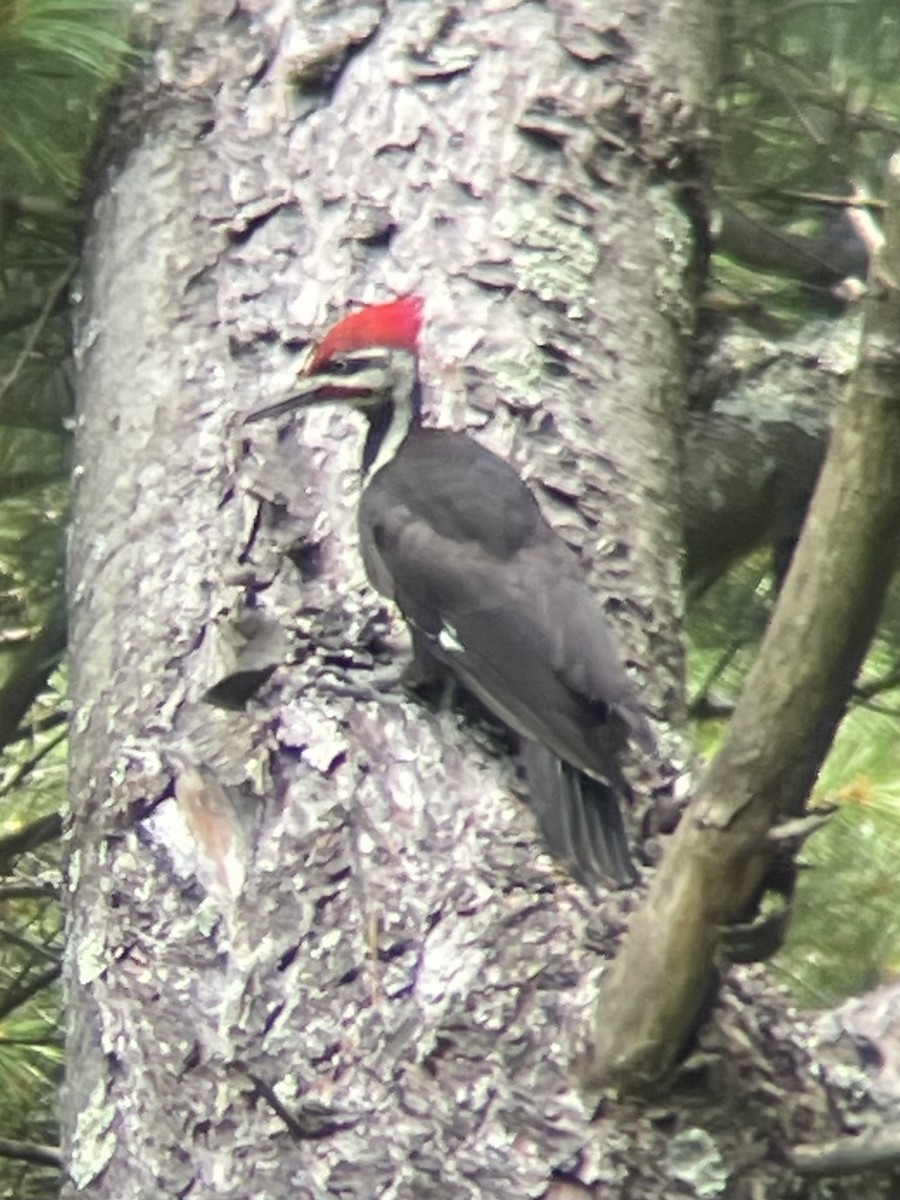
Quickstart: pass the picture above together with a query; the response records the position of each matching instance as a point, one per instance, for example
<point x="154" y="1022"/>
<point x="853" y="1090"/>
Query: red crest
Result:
<point x="395" y="325"/>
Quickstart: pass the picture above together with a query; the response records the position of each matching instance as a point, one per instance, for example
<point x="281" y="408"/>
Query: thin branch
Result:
<point x="53" y="294"/>
<point x="796" y="6"/>
<point x="19" y="996"/>
<point x="32" y="948"/>
<point x="16" y="483"/>
<point x="846" y="1156"/>
<point x="57" y="1041"/>
<point x="12" y="639"/>
<point x="29" y="891"/>
<point x="33" y="1152"/>
<point x="784" y="722"/>
<point x="38" y="833"/>
<point x="833" y="201"/>
<point x="886" y="683"/>
<point x="31" y="672"/>
<point x="30" y="731"/>
<point x="25" y="769"/>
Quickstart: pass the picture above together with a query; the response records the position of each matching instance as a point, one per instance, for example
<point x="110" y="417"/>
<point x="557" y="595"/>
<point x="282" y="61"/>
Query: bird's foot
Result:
<point x="378" y="687"/>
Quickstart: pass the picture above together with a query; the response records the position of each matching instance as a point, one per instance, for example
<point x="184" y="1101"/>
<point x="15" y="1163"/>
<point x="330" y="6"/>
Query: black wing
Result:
<point x="579" y="817"/>
<point x="456" y="538"/>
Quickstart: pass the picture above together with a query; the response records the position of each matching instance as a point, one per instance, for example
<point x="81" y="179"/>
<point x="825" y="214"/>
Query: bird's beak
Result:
<point x="362" y="389"/>
<point x="308" y="390"/>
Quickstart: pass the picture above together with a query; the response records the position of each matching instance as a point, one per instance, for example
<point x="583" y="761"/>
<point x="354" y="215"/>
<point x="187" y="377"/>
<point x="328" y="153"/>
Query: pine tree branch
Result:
<point x="31" y="672"/>
<point x="16" y="997"/>
<point x="846" y="1156"/>
<point x="21" y="774"/>
<point x="32" y="948"/>
<point x="44" y="1156"/>
<point x="785" y="719"/>
<point x="29" y="891"/>
<point x="43" y="829"/>
<point x="53" y="294"/>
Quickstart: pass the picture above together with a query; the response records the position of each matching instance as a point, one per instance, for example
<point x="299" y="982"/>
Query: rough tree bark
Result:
<point x="314" y="947"/>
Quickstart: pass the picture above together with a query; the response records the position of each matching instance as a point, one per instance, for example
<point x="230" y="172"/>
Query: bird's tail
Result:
<point x="580" y="819"/>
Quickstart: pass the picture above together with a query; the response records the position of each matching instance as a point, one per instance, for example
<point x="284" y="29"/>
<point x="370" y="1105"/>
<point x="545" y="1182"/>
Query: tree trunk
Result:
<point x="315" y="949"/>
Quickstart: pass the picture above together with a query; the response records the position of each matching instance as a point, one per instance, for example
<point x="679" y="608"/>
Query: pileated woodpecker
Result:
<point x="451" y="533"/>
